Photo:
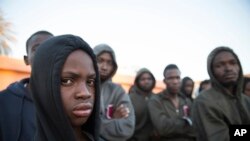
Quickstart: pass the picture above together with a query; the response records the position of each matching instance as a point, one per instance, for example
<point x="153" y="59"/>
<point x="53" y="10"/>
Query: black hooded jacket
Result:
<point x="52" y="122"/>
<point x="215" y="109"/>
<point x="17" y="113"/>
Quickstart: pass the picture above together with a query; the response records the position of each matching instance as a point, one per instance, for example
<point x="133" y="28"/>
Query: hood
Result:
<point x="183" y="83"/>
<point x="52" y="122"/>
<point x="215" y="83"/>
<point x="138" y="75"/>
<point x="18" y="89"/>
<point x="99" y="49"/>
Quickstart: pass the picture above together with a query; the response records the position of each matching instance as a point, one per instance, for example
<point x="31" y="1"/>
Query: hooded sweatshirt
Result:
<point x="183" y="83"/>
<point x="171" y="123"/>
<point x="112" y="96"/>
<point x="139" y="98"/>
<point x="216" y="109"/>
<point x="52" y="122"/>
<point x="17" y="113"/>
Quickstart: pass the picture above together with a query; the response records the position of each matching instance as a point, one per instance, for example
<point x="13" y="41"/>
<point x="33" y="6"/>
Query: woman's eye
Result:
<point x="66" y="82"/>
<point x="91" y="82"/>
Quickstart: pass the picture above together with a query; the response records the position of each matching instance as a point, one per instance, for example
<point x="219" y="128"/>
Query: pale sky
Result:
<point x="143" y="33"/>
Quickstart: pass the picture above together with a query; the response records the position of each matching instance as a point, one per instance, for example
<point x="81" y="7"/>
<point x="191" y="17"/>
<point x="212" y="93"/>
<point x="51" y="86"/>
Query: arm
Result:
<point x="208" y="121"/>
<point x="165" y="125"/>
<point x="122" y="128"/>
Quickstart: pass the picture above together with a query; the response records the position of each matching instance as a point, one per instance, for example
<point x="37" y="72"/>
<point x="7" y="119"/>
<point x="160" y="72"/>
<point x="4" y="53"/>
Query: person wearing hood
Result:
<point x="139" y="95"/>
<point x="204" y="85"/>
<point x="117" y="113"/>
<point x="246" y="86"/>
<point x="17" y="114"/>
<point x="187" y="86"/>
<point x="222" y="105"/>
<point x="170" y="109"/>
<point x="65" y="88"/>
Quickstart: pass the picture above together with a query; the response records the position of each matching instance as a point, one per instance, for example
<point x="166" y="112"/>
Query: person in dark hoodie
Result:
<point x="246" y="86"/>
<point x="65" y="88"/>
<point x="17" y="114"/>
<point x="117" y="113"/>
<point x="140" y="94"/>
<point x="204" y="85"/>
<point x="187" y="86"/>
<point x="169" y="110"/>
<point x="222" y="105"/>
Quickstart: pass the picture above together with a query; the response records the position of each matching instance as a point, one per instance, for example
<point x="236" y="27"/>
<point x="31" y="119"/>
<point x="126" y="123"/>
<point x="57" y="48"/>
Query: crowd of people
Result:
<point x="70" y="96"/>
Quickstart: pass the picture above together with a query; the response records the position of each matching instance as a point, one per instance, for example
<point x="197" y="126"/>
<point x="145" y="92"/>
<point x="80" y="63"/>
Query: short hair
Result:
<point x="34" y="34"/>
<point x="169" y="67"/>
<point x="204" y="82"/>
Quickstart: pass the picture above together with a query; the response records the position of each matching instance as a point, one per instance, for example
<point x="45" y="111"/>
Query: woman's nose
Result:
<point x="83" y="91"/>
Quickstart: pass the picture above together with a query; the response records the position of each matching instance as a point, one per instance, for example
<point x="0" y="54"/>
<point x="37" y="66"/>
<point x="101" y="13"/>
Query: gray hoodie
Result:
<point x="114" y="95"/>
<point x="216" y="109"/>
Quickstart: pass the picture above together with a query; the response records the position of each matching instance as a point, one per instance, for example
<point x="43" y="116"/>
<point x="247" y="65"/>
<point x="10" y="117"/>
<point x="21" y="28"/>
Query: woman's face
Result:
<point x="188" y="87"/>
<point x="78" y="87"/>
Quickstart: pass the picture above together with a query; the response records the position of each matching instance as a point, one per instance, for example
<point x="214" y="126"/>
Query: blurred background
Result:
<point x="143" y="33"/>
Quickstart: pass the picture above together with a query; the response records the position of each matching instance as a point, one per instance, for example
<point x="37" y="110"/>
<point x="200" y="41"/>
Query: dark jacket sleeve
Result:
<point x="164" y="125"/>
<point x="208" y="122"/>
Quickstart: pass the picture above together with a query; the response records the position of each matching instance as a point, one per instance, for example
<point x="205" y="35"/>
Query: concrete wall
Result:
<point x="12" y="70"/>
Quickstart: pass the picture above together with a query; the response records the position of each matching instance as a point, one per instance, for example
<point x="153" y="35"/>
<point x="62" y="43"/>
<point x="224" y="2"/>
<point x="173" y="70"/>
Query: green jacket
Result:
<point x="167" y="120"/>
<point x="216" y="109"/>
<point x="139" y="98"/>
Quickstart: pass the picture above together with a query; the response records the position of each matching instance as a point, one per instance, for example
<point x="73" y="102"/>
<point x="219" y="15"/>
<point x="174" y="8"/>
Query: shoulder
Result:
<point x="155" y="98"/>
<point x="112" y="85"/>
<point x="211" y="101"/>
<point x="245" y="99"/>
<point x="208" y="95"/>
<point x="115" y="88"/>
<point x="9" y="90"/>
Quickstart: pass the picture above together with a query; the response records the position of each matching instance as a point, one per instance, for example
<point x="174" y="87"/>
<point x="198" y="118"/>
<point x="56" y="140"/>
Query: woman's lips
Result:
<point x="82" y="110"/>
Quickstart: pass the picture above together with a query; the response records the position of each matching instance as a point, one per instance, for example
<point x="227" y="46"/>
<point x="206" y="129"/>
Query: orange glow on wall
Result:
<point x="12" y="70"/>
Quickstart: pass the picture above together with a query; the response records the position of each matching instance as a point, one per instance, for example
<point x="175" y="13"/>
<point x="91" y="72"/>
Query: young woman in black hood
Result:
<point x="65" y="89"/>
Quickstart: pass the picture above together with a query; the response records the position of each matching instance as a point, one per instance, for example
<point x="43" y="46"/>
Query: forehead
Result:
<point x="172" y="72"/>
<point x="189" y="81"/>
<point x="38" y="39"/>
<point x="223" y="56"/>
<point x="105" y="55"/>
<point x="77" y="57"/>
<point x="145" y="75"/>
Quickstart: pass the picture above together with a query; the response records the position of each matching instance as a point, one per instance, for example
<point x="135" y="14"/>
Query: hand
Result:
<point x="121" y="112"/>
<point x="188" y="120"/>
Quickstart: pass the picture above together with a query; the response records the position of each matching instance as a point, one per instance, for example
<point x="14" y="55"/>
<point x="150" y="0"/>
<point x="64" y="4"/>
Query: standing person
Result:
<point x="117" y="113"/>
<point x="204" y="85"/>
<point x="224" y="104"/>
<point x="246" y="86"/>
<point x="187" y="86"/>
<point x="169" y="110"/>
<point x="142" y="91"/>
<point x="65" y="89"/>
<point x="17" y="114"/>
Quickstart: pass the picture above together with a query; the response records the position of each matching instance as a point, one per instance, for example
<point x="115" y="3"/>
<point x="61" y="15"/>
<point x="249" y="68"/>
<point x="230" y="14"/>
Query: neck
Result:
<point x="79" y="134"/>
<point x="145" y="92"/>
<point x="172" y="95"/>
<point x="231" y="90"/>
